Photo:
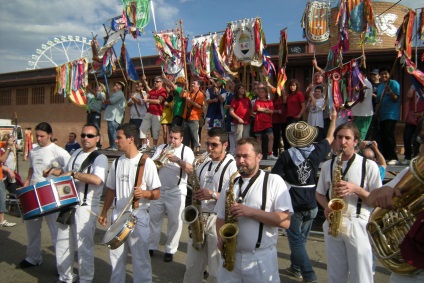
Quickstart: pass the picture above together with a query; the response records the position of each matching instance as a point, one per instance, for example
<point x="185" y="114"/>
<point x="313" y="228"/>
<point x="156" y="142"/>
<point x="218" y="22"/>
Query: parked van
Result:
<point x="6" y="127"/>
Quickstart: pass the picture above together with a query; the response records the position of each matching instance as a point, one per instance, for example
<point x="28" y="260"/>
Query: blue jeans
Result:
<point x="112" y="127"/>
<point x="300" y="225"/>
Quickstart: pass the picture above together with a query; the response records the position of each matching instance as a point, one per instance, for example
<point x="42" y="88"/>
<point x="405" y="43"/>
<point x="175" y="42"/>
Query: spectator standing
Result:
<point x="194" y="101"/>
<point x="138" y="108"/>
<point x="278" y="123"/>
<point x="151" y="121"/>
<point x="263" y="109"/>
<point x="240" y="109"/>
<point x="95" y="99"/>
<point x="228" y="119"/>
<point x="114" y="113"/>
<point x="215" y="98"/>
<point x="5" y="152"/>
<point x="72" y="143"/>
<point x="316" y="108"/>
<point x="388" y="113"/>
<point x="176" y="89"/>
<point x="415" y="111"/>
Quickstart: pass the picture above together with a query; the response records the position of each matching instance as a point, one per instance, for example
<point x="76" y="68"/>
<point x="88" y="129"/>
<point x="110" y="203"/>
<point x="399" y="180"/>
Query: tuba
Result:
<point x="387" y="229"/>
<point x="162" y="159"/>
<point x="336" y="204"/>
<point x="192" y="214"/>
<point x="229" y="230"/>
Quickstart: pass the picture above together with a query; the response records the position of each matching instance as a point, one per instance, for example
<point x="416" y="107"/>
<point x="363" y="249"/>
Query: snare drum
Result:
<point x="48" y="197"/>
<point x="119" y="231"/>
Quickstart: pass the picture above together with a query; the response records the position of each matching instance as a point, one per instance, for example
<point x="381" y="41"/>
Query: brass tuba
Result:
<point x="336" y="204"/>
<point x="229" y="230"/>
<point x="387" y="229"/>
<point x="192" y="214"/>
<point x="162" y="159"/>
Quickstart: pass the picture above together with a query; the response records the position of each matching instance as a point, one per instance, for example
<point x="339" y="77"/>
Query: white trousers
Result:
<point x="81" y="236"/>
<point x="171" y="201"/>
<point x="138" y="244"/>
<point x="33" y="229"/>
<point x="349" y="256"/>
<point x="209" y="255"/>
<point x="260" y="265"/>
<point x="241" y="130"/>
<point x="413" y="278"/>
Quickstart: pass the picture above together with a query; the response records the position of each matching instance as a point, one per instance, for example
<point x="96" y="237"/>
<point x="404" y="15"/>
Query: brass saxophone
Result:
<point x="229" y="230"/>
<point x="192" y="214"/>
<point x="387" y="229"/>
<point x="162" y="159"/>
<point x="336" y="204"/>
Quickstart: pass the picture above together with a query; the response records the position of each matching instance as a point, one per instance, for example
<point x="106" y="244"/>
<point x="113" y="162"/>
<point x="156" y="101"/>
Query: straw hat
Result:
<point x="301" y="134"/>
<point x="122" y="84"/>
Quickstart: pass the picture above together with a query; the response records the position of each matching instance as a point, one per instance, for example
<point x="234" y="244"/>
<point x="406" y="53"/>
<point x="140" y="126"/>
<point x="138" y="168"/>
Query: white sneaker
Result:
<point x="6" y="223"/>
<point x="272" y="157"/>
<point x="405" y="162"/>
<point x="393" y="162"/>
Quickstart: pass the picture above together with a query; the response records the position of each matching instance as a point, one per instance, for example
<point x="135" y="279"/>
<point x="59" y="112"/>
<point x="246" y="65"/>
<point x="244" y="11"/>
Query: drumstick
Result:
<point x="92" y="212"/>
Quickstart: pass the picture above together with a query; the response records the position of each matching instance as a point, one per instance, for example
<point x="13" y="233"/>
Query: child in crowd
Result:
<point x="316" y="107"/>
<point x="263" y="123"/>
<point x="240" y="111"/>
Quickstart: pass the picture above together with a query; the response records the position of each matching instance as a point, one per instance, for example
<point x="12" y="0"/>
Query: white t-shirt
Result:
<point x="98" y="168"/>
<point x="124" y="187"/>
<point x="209" y="179"/>
<point x="364" y="108"/>
<point x="372" y="181"/>
<point x="278" y="200"/>
<point x="142" y="109"/>
<point x="316" y="114"/>
<point x="42" y="158"/>
<point x="170" y="173"/>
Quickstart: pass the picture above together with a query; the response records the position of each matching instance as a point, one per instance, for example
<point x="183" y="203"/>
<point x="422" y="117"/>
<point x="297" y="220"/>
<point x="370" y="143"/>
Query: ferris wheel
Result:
<point x="59" y="51"/>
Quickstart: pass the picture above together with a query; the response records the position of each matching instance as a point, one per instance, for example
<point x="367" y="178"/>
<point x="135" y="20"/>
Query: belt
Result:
<point x="209" y="213"/>
<point x="93" y="112"/>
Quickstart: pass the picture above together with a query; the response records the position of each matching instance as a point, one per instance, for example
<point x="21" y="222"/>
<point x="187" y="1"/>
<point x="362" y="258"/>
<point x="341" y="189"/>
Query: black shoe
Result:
<point x="25" y="264"/>
<point x="151" y="253"/>
<point x="168" y="257"/>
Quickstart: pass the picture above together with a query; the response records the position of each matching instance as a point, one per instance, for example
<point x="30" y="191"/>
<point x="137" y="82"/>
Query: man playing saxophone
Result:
<point x="173" y="177"/>
<point x="262" y="204"/>
<point x="412" y="246"/>
<point x="349" y="253"/>
<point x="212" y="175"/>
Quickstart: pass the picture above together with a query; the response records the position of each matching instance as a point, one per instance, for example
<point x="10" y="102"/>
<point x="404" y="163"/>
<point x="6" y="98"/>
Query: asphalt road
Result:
<point x="13" y="245"/>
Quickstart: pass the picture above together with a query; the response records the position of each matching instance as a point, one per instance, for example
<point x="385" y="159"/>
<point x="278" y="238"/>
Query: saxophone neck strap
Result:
<point x="243" y="194"/>
<point x="261" y="225"/>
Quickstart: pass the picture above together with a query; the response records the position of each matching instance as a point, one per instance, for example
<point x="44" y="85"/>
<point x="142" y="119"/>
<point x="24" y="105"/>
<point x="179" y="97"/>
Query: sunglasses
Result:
<point x="90" y="136"/>
<point x="212" y="144"/>
<point x="158" y="81"/>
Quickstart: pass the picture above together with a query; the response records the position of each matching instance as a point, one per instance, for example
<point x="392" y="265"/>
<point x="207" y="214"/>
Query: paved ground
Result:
<point x="13" y="245"/>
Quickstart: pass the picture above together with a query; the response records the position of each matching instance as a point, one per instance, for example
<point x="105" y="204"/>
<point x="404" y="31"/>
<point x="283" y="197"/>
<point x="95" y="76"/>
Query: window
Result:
<point x="5" y="97"/>
<point x="56" y="98"/>
<point x="37" y="95"/>
<point x="22" y="96"/>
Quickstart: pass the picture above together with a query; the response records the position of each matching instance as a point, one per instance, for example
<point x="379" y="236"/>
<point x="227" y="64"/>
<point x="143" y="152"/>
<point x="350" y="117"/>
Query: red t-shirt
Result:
<point x="241" y="109"/>
<point x="294" y="104"/>
<point x="263" y="120"/>
<point x="279" y="105"/>
<point x="156" y="109"/>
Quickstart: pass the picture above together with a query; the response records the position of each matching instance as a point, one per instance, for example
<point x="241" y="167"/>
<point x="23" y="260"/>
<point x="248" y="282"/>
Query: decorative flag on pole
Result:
<point x="130" y="70"/>
<point x="315" y="22"/>
<point x="137" y="12"/>
<point x="403" y="42"/>
<point x="282" y="61"/>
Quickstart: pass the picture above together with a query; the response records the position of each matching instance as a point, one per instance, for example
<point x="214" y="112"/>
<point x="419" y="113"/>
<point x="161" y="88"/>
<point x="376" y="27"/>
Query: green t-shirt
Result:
<point x="179" y="102"/>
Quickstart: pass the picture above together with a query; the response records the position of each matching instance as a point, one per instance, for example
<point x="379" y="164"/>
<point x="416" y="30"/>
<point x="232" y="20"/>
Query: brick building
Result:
<point x="30" y="94"/>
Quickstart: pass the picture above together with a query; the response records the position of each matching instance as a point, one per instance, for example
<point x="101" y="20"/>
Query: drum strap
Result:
<point x="139" y="177"/>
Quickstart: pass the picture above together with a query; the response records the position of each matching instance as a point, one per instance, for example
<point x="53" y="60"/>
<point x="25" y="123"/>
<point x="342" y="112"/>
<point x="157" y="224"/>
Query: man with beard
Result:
<point x="263" y="204"/>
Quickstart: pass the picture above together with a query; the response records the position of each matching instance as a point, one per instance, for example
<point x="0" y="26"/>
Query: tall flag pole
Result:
<point x="153" y="14"/>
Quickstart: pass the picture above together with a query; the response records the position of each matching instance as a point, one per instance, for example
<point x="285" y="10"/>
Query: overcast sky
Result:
<point x="27" y="24"/>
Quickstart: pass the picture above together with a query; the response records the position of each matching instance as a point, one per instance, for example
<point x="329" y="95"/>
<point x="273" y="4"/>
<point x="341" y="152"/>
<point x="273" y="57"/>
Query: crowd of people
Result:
<point x="299" y="131"/>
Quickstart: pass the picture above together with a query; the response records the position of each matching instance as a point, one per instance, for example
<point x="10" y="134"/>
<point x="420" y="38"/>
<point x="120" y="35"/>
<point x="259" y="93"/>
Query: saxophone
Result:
<point x="229" y="230"/>
<point x="192" y="214"/>
<point x="336" y="204"/>
<point x="387" y="229"/>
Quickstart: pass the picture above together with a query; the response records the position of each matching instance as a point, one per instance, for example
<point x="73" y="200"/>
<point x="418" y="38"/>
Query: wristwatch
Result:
<point x="213" y="196"/>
